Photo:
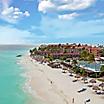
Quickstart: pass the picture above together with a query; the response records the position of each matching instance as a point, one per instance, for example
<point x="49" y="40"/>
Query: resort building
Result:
<point x="66" y="50"/>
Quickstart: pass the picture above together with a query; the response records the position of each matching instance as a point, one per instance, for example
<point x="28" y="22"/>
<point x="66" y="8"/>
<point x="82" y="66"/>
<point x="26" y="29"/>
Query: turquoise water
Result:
<point x="11" y="81"/>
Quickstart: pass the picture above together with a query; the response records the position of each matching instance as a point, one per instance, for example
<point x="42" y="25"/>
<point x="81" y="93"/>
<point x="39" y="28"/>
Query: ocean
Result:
<point x="11" y="79"/>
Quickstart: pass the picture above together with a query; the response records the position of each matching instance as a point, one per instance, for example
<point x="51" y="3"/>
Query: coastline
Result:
<point x="51" y="86"/>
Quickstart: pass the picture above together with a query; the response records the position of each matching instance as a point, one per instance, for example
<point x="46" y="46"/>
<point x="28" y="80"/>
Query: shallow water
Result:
<point x="11" y="81"/>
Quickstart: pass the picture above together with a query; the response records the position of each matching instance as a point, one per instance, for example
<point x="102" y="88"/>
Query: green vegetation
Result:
<point x="74" y="62"/>
<point x="76" y="69"/>
<point x="102" y="52"/>
<point x="63" y="58"/>
<point x="101" y="79"/>
<point x="84" y="55"/>
<point x="82" y="72"/>
<point x="102" y="68"/>
<point x="91" y="58"/>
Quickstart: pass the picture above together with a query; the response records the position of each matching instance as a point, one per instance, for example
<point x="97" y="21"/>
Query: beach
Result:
<point x="51" y="86"/>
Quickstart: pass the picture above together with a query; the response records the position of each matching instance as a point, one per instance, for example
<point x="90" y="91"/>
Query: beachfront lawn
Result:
<point x="101" y="79"/>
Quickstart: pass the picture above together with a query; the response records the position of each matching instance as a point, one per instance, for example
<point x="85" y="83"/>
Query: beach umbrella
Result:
<point x="84" y="79"/>
<point x="101" y="85"/>
<point x="92" y="81"/>
<point x="96" y="88"/>
<point x="77" y="76"/>
<point x="64" y="68"/>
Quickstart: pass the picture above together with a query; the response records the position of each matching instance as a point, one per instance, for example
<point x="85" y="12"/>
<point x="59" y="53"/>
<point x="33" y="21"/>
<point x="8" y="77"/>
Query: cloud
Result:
<point x="56" y="28"/>
<point x="101" y="14"/>
<point x="11" y="14"/>
<point x="75" y="4"/>
<point x="68" y="16"/>
<point x="5" y="3"/>
<point x="12" y="35"/>
<point x="63" y="5"/>
<point x="45" y="6"/>
<point x="26" y="13"/>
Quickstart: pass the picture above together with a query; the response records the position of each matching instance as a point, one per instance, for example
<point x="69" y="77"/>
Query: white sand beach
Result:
<point x="52" y="86"/>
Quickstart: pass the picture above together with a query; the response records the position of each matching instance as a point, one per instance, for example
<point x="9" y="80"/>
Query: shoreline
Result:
<point x="51" y="86"/>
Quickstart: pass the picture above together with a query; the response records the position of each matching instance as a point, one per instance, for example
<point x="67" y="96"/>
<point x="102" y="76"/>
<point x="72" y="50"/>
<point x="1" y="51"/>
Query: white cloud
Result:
<point x="26" y="13"/>
<point x="68" y="16"/>
<point x="11" y="14"/>
<point x="12" y="35"/>
<point x="76" y="4"/>
<point x="56" y="28"/>
<point x="47" y="5"/>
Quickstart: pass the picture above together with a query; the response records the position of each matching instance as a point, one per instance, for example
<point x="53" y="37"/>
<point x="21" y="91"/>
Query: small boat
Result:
<point x="18" y="55"/>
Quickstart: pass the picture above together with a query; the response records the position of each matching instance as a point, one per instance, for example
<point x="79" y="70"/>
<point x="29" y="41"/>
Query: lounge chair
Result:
<point x="88" y="100"/>
<point x="102" y="93"/>
<point x="74" y="80"/>
<point x="89" y="85"/>
<point x="83" y="89"/>
<point x="71" y="75"/>
<point x="98" y="92"/>
<point x="85" y="82"/>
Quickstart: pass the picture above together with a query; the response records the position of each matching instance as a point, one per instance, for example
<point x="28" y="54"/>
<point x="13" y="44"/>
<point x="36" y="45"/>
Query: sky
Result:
<point x="51" y="21"/>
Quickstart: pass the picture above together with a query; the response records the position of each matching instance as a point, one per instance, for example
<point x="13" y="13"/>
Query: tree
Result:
<point x="102" y="52"/>
<point x="35" y="49"/>
<point x="84" y="55"/>
<point x="91" y="58"/>
<point x="76" y="69"/>
<point x="82" y="72"/>
<point x="31" y="51"/>
<point x="102" y="68"/>
<point x="74" y="62"/>
<point x="50" y="58"/>
<point x="62" y="57"/>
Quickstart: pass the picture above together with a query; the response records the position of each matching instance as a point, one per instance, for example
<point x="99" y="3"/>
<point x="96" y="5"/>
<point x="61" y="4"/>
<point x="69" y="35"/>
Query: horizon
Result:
<point x="45" y="21"/>
<point x="49" y="44"/>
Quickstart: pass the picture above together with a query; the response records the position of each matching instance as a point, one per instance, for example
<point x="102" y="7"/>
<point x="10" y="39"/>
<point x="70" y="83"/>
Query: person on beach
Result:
<point x="51" y="82"/>
<point x="73" y="100"/>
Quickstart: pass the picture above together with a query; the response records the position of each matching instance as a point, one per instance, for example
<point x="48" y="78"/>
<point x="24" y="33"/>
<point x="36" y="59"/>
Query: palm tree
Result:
<point x="74" y="62"/>
<point x="91" y="58"/>
<point x="84" y="55"/>
<point x="102" y="52"/>
<point x="75" y="67"/>
<point x="102" y="70"/>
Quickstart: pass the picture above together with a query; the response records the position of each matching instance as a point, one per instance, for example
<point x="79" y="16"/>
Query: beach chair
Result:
<point x="98" y="92"/>
<point x="88" y="100"/>
<point x="71" y="75"/>
<point x="83" y="89"/>
<point x="74" y="80"/>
